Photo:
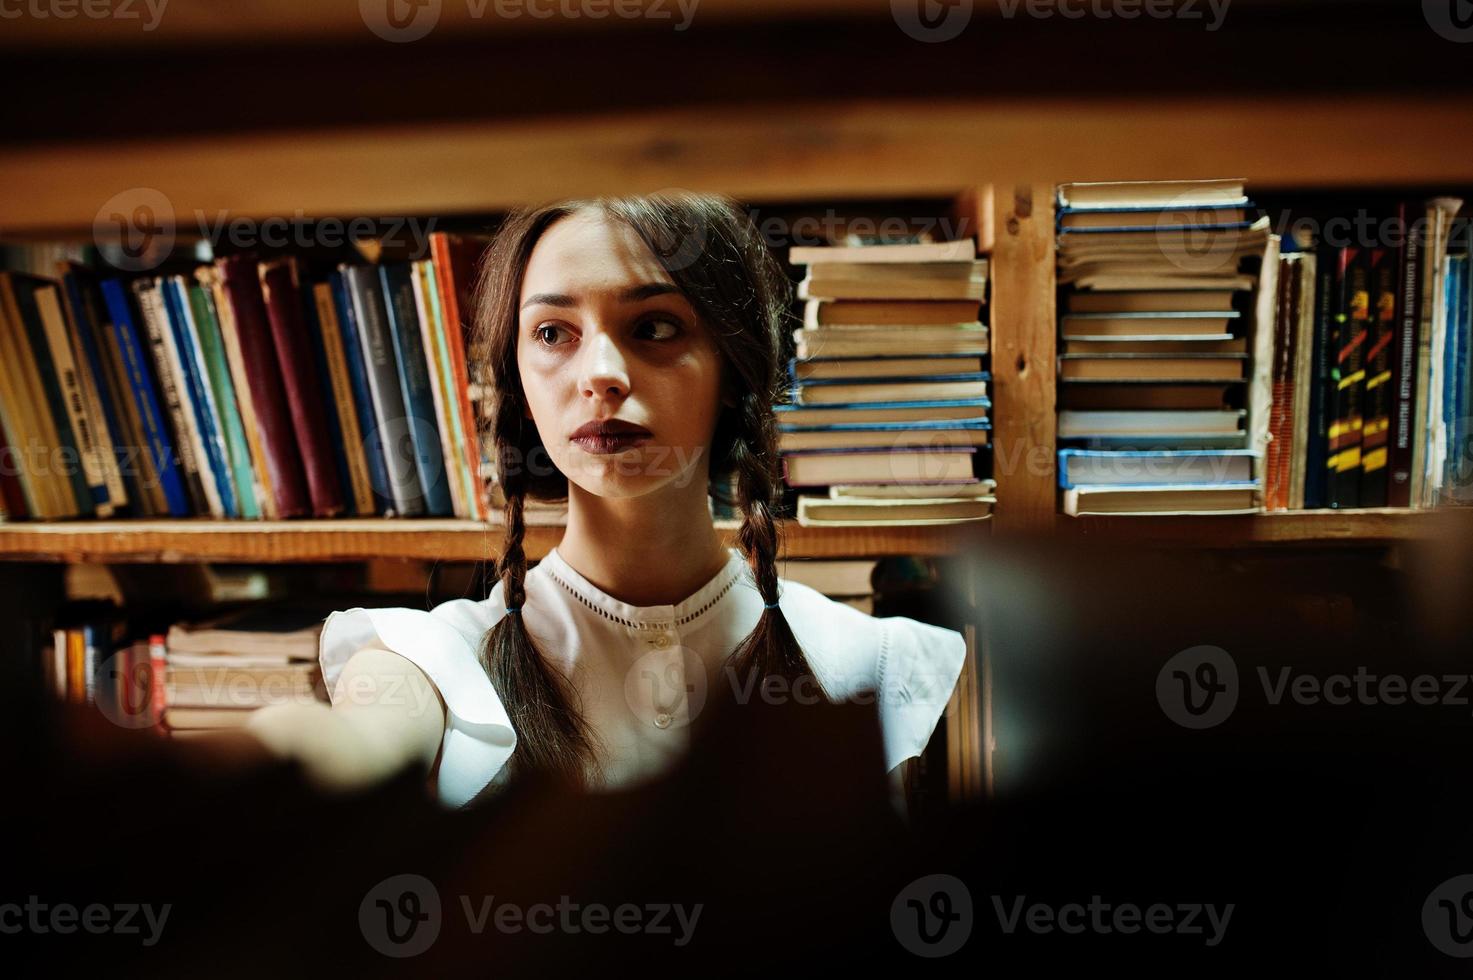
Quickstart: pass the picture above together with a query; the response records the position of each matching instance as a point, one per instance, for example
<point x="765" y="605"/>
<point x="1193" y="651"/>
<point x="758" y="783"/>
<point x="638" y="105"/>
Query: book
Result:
<point x="1152" y="194"/>
<point x="1352" y="324"/>
<point x="856" y="512"/>
<point x="1156" y="367"/>
<point x="198" y="476"/>
<point x="824" y="467"/>
<point x="879" y="312"/>
<point x="381" y="497"/>
<point x="1079" y="467"/>
<point x="1162" y="500"/>
<point x="276" y="433"/>
<point x="953" y="251"/>
<point x="1146" y="423"/>
<point x="831" y="391"/>
<point x="1376" y="426"/>
<point x="396" y="280"/>
<point x="793" y="415"/>
<point x="456" y="260"/>
<point x="882" y="366"/>
<point x="1156" y="324"/>
<point x="282" y="292"/>
<point x="329" y="337"/>
<point x="1151" y="301"/>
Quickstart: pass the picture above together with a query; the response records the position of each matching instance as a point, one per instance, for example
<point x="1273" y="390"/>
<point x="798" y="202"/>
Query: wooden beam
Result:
<point x="793" y="151"/>
<point x="1022" y="318"/>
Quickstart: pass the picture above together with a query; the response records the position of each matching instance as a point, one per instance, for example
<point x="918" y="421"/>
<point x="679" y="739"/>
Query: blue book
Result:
<point x="313" y="324"/>
<point x="414" y="380"/>
<point x="1455" y="367"/>
<point x="197" y="389"/>
<point x="82" y="300"/>
<point x="1155" y="467"/>
<point x="145" y="397"/>
<point x="378" y="473"/>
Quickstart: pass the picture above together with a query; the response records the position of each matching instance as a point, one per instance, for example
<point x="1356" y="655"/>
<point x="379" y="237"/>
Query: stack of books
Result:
<point x="890" y="403"/>
<point x="849" y="582"/>
<point x="241" y="389"/>
<point x="1370" y="374"/>
<point x="220" y="670"/>
<point x="1155" y="344"/>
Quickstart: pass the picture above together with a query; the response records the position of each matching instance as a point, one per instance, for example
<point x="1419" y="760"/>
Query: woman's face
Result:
<point x="604" y="334"/>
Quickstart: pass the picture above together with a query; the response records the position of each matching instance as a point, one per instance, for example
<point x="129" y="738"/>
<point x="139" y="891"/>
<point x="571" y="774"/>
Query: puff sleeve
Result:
<point x="479" y="738"/>
<point x="917" y="671"/>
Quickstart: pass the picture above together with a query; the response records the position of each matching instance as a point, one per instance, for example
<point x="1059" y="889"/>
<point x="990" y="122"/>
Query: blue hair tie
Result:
<point x="769" y="605"/>
<point x="513" y="609"/>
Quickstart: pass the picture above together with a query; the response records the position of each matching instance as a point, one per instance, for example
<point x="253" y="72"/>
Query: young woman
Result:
<point x="634" y="345"/>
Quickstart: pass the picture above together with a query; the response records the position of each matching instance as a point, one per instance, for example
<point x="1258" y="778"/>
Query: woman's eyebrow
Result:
<point x="633" y="294"/>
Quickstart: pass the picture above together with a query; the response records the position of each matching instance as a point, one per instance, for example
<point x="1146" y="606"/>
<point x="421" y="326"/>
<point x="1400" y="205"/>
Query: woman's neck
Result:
<point x="653" y="550"/>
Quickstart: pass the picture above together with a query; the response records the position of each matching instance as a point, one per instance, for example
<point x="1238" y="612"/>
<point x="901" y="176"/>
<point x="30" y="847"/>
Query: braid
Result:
<point x="553" y="737"/>
<point x="771" y="648"/>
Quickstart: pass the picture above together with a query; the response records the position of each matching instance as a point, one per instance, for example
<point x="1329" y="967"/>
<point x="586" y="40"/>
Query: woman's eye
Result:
<point x="671" y="327"/>
<point x="542" y="332"/>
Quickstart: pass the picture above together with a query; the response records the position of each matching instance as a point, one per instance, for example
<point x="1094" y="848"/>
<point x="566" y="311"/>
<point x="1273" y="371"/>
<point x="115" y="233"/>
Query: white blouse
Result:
<point x="630" y="664"/>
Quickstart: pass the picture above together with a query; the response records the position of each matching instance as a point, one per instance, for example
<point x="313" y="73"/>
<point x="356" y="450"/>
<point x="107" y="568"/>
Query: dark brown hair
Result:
<point x="722" y="265"/>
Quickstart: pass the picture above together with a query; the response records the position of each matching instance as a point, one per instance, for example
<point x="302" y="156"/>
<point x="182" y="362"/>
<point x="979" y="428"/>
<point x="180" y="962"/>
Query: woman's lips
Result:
<point x="605" y="445"/>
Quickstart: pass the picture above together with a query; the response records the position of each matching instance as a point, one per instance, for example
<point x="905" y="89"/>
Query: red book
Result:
<point x="268" y="395"/>
<point x="457" y="258"/>
<point x="281" y="287"/>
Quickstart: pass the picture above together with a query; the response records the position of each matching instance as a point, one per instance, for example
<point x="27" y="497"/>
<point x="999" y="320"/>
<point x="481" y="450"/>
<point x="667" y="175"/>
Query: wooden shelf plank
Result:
<point x="1350" y="527"/>
<point x="205" y="540"/>
<point x="855" y="148"/>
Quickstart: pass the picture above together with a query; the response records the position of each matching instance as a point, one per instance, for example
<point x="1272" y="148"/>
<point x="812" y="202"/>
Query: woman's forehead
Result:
<point x="589" y="253"/>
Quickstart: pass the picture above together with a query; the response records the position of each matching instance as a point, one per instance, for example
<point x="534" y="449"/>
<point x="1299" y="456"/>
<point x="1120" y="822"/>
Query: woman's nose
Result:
<point x="604" y="370"/>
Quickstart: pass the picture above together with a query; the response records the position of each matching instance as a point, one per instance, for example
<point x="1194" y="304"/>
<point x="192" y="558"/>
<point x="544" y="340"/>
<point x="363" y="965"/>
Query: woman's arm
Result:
<point x="385" y="714"/>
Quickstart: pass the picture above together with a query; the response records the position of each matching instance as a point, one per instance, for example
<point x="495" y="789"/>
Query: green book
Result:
<point x="212" y="347"/>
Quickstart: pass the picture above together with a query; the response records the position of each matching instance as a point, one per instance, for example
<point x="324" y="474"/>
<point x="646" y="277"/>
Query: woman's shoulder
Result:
<point x="892" y="655"/>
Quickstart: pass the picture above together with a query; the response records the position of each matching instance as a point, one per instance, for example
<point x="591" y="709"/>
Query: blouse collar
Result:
<point x="684" y="613"/>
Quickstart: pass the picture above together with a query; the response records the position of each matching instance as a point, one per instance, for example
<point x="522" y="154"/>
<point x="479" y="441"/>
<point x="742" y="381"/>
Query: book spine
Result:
<point x="1347" y="373"/>
<point x="287" y="482"/>
<point x="456" y="386"/>
<point x="326" y="399"/>
<point x="201" y="398"/>
<point x="1377" y="427"/>
<point x="436" y="370"/>
<point x="1316" y="465"/>
<point x="373" y="450"/>
<point x="1275" y="489"/>
<point x="161" y="457"/>
<point x="331" y="335"/>
<point x="106" y="391"/>
<point x="186" y="435"/>
<point x="75" y="497"/>
<point x="13" y="504"/>
<point x="388" y="400"/>
<point x="419" y="404"/>
<point x="79" y="418"/>
<point x="212" y="352"/>
<point x="1404" y="362"/>
<point x="260" y="466"/>
<point x="281" y="288"/>
<point x="452" y="279"/>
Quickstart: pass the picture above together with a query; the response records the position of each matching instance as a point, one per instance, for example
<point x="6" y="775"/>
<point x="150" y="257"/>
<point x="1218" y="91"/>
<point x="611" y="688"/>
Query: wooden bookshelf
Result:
<point x="205" y="540"/>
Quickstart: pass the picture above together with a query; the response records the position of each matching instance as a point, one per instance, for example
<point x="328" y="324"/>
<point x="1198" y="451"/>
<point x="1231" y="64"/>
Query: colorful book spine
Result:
<point x="1404" y="360"/>
<point x="335" y="360"/>
<point x="440" y="385"/>
<point x="373" y="450"/>
<point x="83" y="314"/>
<point x="212" y="350"/>
<point x="281" y="287"/>
<point x="268" y="395"/>
<point x="197" y="474"/>
<point x="1376" y="431"/>
<point x="419" y="404"/>
<point x="146" y="399"/>
<point x="206" y="413"/>
<point x="1352" y="326"/>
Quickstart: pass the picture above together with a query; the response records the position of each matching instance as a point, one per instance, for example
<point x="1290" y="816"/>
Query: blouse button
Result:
<point x="662" y="641"/>
<point x="662" y="720"/>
